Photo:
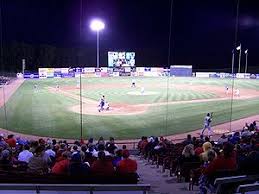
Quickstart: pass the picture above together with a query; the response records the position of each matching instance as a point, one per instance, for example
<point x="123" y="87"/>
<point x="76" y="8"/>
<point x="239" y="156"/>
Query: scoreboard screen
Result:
<point x="121" y="59"/>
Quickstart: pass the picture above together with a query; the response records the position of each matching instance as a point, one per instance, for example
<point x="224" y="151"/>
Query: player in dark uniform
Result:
<point x="102" y="102"/>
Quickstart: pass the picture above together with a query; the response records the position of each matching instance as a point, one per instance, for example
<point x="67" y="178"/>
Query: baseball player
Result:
<point x="142" y="90"/>
<point x="133" y="83"/>
<point x="57" y="87"/>
<point x="207" y="122"/>
<point x="101" y="104"/>
<point x="35" y="88"/>
<point x="227" y="89"/>
<point x="237" y="92"/>
<point x="78" y="84"/>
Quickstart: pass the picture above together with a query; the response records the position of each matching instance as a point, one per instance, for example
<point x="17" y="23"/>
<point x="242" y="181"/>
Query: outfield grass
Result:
<point x="47" y="114"/>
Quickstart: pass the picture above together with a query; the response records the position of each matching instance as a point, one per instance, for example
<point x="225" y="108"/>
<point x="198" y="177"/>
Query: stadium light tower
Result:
<point x="97" y="25"/>
<point x="239" y="62"/>
<point x="246" y="52"/>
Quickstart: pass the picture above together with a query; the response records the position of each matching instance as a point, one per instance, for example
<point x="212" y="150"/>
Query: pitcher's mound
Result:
<point x="138" y="93"/>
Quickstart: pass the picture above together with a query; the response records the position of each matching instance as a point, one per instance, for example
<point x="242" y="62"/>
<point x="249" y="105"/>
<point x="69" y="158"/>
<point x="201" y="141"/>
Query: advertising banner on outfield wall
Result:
<point x="50" y="72"/>
<point x="116" y="74"/>
<point x="89" y="70"/>
<point x="42" y="73"/>
<point x="243" y="75"/>
<point x="30" y="75"/>
<point x="104" y="70"/>
<point x="204" y="74"/>
<point x="57" y="73"/>
<point x="140" y="69"/>
<point x="104" y="74"/>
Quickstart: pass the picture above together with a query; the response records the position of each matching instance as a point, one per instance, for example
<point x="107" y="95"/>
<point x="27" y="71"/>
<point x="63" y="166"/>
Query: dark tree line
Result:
<point x="43" y="56"/>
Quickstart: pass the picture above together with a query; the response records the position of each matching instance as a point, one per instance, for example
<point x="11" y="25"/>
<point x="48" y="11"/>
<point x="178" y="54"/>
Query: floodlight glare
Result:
<point x="97" y="25"/>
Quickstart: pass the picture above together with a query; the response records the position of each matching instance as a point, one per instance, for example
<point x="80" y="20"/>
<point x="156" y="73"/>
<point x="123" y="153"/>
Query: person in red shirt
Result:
<point x="226" y="161"/>
<point x="61" y="167"/>
<point x="127" y="165"/>
<point x="11" y="141"/>
<point x="102" y="166"/>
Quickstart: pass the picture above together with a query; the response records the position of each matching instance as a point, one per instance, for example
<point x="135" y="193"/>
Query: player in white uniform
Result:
<point x="237" y="92"/>
<point x="78" y="84"/>
<point x="36" y="88"/>
<point x="227" y="89"/>
<point x="207" y="122"/>
<point x="142" y="90"/>
<point x="57" y="87"/>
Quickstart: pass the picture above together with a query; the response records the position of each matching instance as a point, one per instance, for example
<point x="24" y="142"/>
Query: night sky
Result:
<point x="202" y="31"/>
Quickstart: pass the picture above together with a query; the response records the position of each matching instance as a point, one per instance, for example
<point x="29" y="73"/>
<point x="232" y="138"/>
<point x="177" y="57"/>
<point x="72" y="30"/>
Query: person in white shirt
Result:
<point x="101" y="147"/>
<point x="207" y="122"/>
<point x="25" y="155"/>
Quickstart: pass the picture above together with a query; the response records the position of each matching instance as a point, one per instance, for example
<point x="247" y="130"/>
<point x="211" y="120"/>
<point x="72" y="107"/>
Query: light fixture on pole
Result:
<point x="246" y="52"/>
<point x="97" y="25"/>
<point x="239" y="62"/>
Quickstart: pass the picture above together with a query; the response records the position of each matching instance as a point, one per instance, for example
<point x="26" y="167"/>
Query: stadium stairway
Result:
<point x="161" y="183"/>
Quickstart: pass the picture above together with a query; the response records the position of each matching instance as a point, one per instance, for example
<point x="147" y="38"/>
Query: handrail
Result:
<point x="77" y="187"/>
<point x="248" y="188"/>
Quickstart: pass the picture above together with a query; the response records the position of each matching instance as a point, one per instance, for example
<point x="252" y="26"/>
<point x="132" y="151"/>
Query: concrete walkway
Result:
<point x="161" y="183"/>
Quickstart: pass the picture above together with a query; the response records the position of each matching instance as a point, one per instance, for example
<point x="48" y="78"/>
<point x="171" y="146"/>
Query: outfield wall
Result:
<point x="44" y="73"/>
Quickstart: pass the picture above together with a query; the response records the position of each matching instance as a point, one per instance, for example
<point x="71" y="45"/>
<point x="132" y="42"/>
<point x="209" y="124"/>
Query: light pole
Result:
<point x="246" y="52"/>
<point x="233" y="62"/>
<point x="97" y="25"/>
<point x="239" y="62"/>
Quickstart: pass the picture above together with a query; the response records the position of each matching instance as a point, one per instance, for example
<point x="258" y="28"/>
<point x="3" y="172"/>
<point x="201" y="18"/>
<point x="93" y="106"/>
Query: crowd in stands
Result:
<point x="41" y="157"/>
<point x="237" y="152"/>
<point x="4" y="80"/>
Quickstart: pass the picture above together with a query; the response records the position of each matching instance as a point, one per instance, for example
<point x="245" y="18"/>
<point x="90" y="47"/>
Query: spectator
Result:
<point x="25" y="155"/>
<point x="11" y="141"/>
<point x="5" y="161"/>
<point x="223" y="139"/>
<point x="50" y="152"/>
<point x="101" y="148"/>
<point x="188" y="140"/>
<point x="102" y="166"/>
<point x="90" y="142"/>
<point x="34" y="146"/>
<point x="207" y="146"/>
<point x="127" y="165"/>
<point x="61" y="167"/>
<point x="235" y="138"/>
<point x="227" y="161"/>
<point x="117" y="158"/>
<point x="100" y="142"/>
<point x="3" y="144"/>
<point x="188" y="155"/>
<point x="199" y="149"/>
<point x="249" y="164"/>
<point x="77" y="167"/>
<point x="111" y="146"/>
<point x="91" y="152"/>
<point x="37" y="163"/>
<point x="142" y="144"/>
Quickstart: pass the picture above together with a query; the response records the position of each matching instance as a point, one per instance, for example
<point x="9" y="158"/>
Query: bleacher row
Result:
<point x="189" y="161"/>
<point x="48" y="162"/>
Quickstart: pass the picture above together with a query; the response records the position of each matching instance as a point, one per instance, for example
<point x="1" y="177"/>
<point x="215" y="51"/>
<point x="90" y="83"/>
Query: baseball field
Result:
<point x="156" y="106"/>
